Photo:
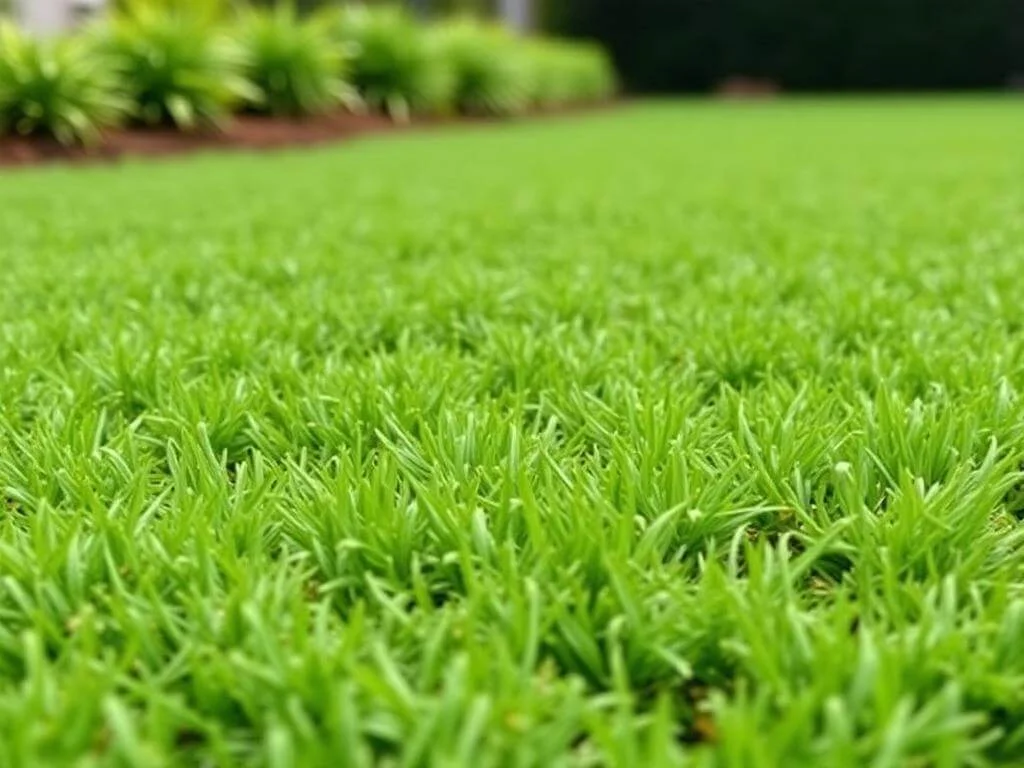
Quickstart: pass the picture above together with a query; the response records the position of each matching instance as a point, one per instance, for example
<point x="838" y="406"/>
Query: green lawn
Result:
<point x="679" y="434"/>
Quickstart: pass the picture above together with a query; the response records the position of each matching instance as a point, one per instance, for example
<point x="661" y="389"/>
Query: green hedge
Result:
<point x="665" y="45"/>
<point x="194" y="64"/>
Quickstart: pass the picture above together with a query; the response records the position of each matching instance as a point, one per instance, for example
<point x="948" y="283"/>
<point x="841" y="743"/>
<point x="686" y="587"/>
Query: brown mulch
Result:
<point x="740" y="87"/>
<point x="247" y="132"/>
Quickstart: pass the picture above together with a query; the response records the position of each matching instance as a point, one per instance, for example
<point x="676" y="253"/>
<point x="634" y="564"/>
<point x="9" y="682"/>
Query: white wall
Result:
<point x="50" y="17"/>
<point x="518" y="14"/>
<point x="43" y="16"/>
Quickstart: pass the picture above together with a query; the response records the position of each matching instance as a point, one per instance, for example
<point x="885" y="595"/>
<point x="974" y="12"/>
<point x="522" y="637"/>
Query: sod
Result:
<point x="683" y="434"/>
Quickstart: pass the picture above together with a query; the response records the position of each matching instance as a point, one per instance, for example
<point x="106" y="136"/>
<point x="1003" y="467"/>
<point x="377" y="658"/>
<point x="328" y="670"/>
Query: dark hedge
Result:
<point x="670" y="45"/>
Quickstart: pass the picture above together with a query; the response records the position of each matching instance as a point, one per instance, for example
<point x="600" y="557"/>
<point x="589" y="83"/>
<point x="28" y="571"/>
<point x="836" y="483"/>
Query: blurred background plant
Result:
<point x="563" y="73"/>
<point x="695" y="45"/>
<point x="190" y="64"/>
<point x="207" y="10"/>
<point x="294" y="63"/>
<point x="395" y="66"/>
<point x="62" y="89"/>
<point x="176" y="65"/>
<point x="490" y="73"/>
<point x="687" y="45"/>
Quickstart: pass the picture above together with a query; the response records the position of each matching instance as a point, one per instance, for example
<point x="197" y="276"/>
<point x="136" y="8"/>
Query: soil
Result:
<point x="740" y="87"/>
<point x="247" y="132"/>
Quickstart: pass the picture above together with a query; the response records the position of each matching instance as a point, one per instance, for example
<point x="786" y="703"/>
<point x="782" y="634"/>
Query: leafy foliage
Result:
<point x="490" y="74"/>
<point x="395" y="65"/>
<point x="61" y="89"/>
<point x="206" y="10"/>
<point x="176" y="66"/>
<point x="295" y="63"/>
<point x="191" y="63"/>
<point x="567" y="73"/>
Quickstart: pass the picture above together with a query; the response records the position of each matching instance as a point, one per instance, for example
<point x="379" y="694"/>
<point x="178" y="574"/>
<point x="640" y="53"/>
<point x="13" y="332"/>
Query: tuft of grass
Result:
<point x="686" y="434"/>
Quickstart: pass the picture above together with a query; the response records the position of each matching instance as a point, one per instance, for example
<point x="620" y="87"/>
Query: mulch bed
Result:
<point x="244" y="132"/>
<point x="740" y="87"/>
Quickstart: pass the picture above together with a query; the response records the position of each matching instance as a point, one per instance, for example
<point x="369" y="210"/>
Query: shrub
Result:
<point x="566" y="73"/>
<point x="294" y="63"/>
<point x="60" y="89"/>
<point x="489" y="73"/>
<point x="176" y="67"/>
<point x="590" y="71"/>
<point x="395" y="65"/>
